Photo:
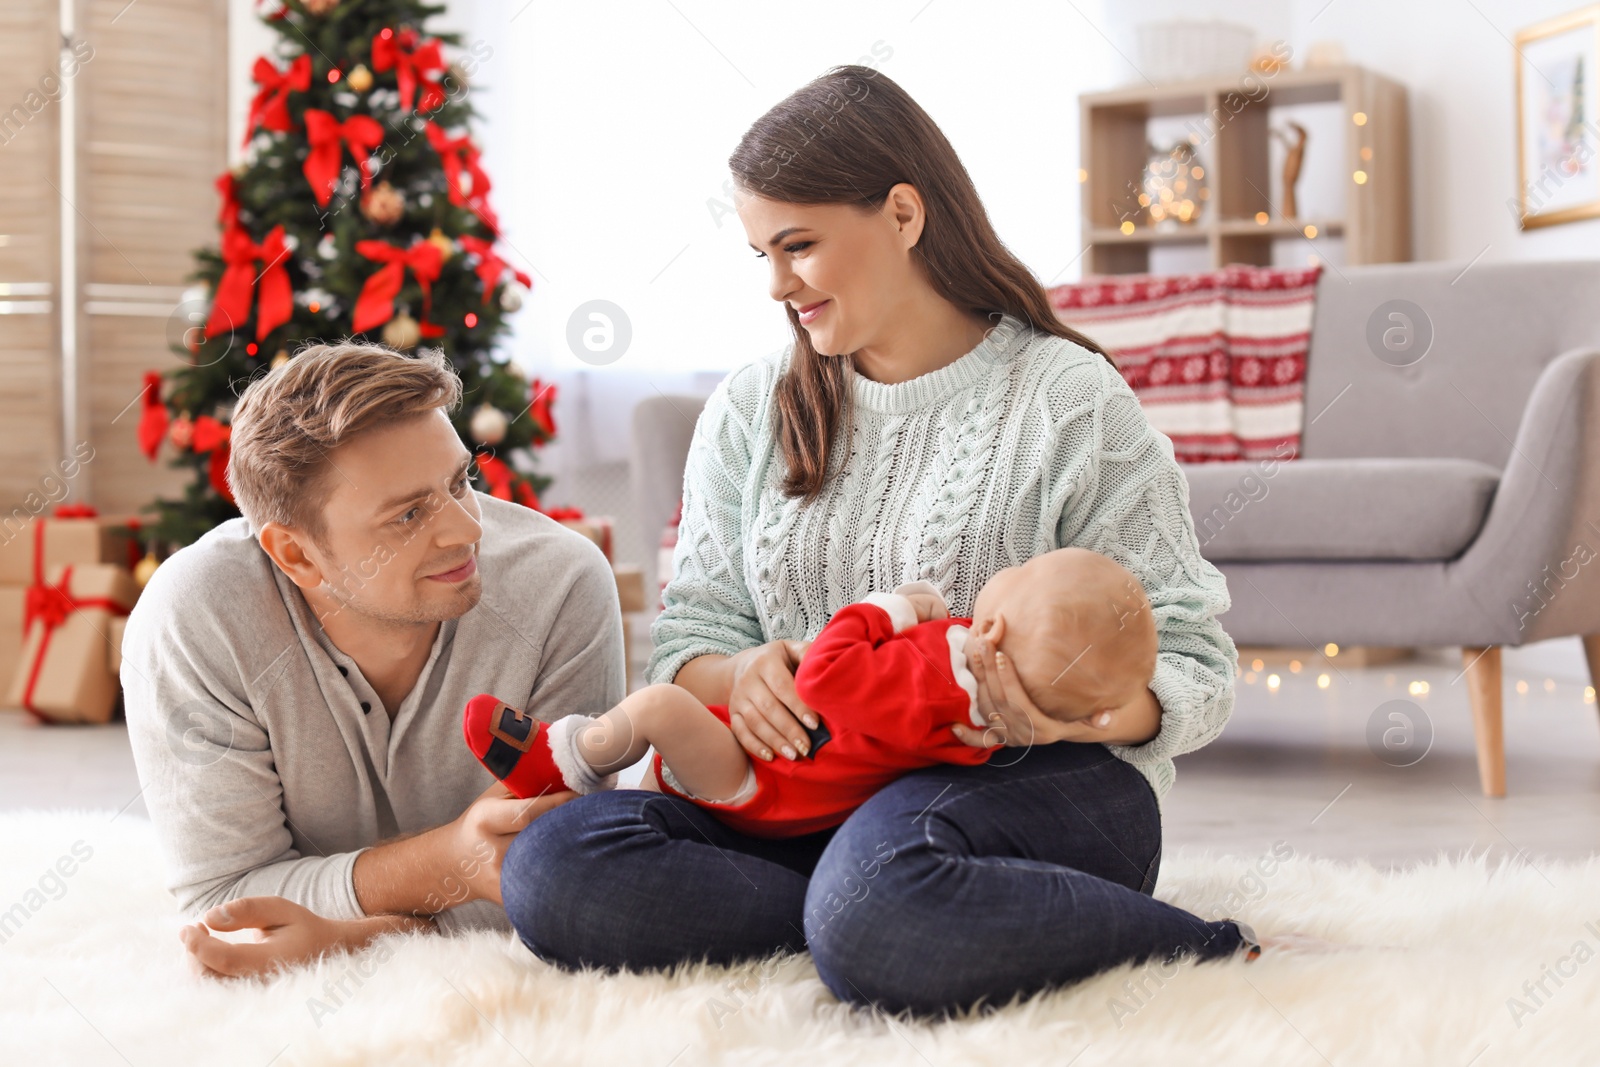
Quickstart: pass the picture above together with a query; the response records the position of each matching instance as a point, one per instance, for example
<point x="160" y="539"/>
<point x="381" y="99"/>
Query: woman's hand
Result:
<point x="1016" y="721"/>
<point x="763" y="708"/>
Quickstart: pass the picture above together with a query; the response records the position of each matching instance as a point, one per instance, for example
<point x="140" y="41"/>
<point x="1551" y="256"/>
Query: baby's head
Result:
<point x="1078" y="627"/>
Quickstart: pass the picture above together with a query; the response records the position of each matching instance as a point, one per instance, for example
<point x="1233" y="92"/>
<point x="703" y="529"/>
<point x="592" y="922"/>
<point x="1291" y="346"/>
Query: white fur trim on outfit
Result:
<point x="902" y="615"/>
<point x="957" y="636"/>
<point x="575" y="770"/>
<point x="745" y="792"/>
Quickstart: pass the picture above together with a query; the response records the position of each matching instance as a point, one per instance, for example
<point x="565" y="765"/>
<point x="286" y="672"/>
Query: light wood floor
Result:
<point x="1292" y="765"/>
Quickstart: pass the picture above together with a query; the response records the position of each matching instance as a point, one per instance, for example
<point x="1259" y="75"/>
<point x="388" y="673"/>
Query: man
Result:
<point x="295" y="678"/>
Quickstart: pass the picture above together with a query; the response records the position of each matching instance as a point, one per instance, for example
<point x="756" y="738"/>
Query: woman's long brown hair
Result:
<point x="848" y="138"/>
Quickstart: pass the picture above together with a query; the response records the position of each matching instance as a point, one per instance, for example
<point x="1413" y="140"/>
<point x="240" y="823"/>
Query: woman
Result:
<point x="933" y="419"/>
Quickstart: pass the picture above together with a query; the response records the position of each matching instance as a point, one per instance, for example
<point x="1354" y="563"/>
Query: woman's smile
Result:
<point x="809" y="313"/>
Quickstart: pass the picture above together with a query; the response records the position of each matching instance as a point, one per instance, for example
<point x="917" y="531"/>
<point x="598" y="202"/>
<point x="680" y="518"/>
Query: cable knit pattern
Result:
<point x="1027" y="443"/>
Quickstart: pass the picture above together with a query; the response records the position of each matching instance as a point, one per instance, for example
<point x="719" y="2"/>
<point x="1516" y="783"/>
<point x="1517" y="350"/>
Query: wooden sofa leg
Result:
<point x="1488" y="719"/>
<point x="1591" y="652"/>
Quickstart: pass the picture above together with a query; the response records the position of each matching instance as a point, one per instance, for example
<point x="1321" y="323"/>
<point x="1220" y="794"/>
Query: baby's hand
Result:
<point x="926" y="599"/>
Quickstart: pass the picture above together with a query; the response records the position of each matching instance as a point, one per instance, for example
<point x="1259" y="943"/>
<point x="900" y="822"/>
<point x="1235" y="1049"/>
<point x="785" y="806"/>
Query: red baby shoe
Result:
<point x="513" y="745"/>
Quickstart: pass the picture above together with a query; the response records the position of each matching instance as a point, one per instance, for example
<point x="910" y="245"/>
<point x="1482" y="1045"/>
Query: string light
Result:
<point x="471" y="320"/>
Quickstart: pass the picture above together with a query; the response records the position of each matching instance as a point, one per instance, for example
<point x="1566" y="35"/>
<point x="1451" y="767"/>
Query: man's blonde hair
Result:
<point x="289" y="420"/>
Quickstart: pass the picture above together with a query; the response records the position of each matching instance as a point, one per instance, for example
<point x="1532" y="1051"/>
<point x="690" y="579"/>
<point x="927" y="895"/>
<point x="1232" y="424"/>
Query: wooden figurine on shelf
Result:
<point x="1296" y="152"/>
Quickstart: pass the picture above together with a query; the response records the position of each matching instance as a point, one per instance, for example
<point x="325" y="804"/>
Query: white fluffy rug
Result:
<point x="1452" y="957"/>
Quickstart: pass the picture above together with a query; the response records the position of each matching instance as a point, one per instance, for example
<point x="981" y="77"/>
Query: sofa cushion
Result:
<point x="1320" y="509"/>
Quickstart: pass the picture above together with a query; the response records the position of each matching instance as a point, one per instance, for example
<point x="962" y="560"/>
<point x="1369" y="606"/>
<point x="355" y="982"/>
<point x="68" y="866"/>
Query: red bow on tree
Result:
<point x="412" y="64"/>
<point x="232" y="304"/>
<point x="490" y="265"/>
<point x="540" y="408"/>
<point x="153" y="417"/>
<point x="228" y="187"/>
<point x="327" y="137"/>
<point x="495" y="472"/>
<point x="460" y="156"/>
<point x="375" y="305"/>
<point x="215" y="437"/>
<point x="270" y="108"/>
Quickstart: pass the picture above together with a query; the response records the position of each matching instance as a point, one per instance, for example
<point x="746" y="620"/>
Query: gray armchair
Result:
<point x="1451" y="499"/>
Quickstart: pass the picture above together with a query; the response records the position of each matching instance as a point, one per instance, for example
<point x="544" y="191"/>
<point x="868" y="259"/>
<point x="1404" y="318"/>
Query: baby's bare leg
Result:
<point x="702" y="752"/>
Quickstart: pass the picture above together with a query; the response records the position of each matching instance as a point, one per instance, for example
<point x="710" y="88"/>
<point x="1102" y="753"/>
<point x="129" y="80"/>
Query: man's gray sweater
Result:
<point x="263" y="775"/>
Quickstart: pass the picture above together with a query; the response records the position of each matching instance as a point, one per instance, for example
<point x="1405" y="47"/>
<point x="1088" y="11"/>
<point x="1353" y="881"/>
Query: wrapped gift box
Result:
<point x="12" y="598"/>
<point x="97" y="539"/>
<point x="595" y="528"/>
<point x="64" y="674"/>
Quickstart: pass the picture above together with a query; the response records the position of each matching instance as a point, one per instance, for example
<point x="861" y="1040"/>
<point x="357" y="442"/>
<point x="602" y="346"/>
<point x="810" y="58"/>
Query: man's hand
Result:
<point x="286" y="934"/>
<point x="764" y="711"/>
<point x="480" y="836"/>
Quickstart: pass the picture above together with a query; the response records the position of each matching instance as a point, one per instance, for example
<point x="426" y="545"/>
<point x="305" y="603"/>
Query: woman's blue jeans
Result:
<point x="952" y="885"/>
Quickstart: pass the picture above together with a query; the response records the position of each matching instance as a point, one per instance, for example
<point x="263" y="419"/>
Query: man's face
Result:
<point x="401" y="523"/>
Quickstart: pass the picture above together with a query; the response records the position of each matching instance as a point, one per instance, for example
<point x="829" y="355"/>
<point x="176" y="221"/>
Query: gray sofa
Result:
<point x="1447" y="490"/>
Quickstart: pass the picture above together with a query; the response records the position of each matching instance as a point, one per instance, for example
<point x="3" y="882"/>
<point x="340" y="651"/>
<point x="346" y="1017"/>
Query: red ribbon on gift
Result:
<point x="232" y="304"/>
<point x="269" y="110"/>
<point x="50" y="605"/>
<point x="412" y="64"/>
<point x="564" y="514"/>
<point x="152" y="417"/>
<point x="490" y="265"/>
<point x="53" y="603"/>
<point x="328" y="138"/>
<point x="375" y="305"/>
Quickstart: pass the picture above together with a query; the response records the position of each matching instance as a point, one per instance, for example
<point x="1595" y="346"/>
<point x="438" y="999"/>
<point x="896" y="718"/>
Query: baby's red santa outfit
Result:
<point x="887" y="689"/>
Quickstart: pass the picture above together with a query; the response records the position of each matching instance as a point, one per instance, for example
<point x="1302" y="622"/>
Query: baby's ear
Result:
<point x="992" y="628"/>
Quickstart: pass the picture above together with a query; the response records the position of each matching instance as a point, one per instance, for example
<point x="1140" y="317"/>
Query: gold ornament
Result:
<point x="488" y="425"/>
<point x="444" y="244"/>
<point x="511" y="297"/>
<point x="320" y="7"/>
<point x="280" y="359"/>
<point x="360" y="79"/>
<point x="383" y="204"/>
<point x="181" y="431"/>
<point x="402" y="332"/>
<point x="146" y="567"/>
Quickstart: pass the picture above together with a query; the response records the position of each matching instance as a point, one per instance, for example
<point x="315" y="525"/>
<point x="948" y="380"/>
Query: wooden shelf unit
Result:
<point x="1232" y="125"/>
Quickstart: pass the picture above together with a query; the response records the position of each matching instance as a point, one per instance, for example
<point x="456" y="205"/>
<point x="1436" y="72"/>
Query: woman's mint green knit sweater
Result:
<point x="1027" y="443"/>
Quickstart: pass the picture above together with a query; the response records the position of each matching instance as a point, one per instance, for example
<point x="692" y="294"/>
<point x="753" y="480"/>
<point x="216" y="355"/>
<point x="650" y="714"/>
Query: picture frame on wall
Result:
<point x="1558" y="119"/>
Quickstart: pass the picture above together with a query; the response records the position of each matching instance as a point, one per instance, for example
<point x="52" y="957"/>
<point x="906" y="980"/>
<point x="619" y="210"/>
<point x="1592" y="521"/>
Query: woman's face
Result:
<point x="846" y="270"/>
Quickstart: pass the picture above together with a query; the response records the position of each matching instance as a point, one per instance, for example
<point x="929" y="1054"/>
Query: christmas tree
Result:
<point x="361" y="211"/>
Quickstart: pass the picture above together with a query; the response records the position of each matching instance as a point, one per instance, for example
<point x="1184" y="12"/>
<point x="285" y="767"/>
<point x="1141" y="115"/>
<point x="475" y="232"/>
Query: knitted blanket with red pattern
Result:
<point x="1217" y="359"/>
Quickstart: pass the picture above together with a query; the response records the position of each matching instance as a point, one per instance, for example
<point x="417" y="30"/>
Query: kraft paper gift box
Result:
<point x="11" y="601"/>
<point x="97" y="539"/>
<point x="64" y="674"/>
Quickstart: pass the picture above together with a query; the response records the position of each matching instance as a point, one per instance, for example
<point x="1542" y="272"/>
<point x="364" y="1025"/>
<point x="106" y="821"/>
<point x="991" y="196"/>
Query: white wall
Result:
<point x="607" y="128"/>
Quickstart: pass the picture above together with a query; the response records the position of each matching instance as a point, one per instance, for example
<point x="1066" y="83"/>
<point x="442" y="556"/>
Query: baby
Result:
<point x="887" y="677"/>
